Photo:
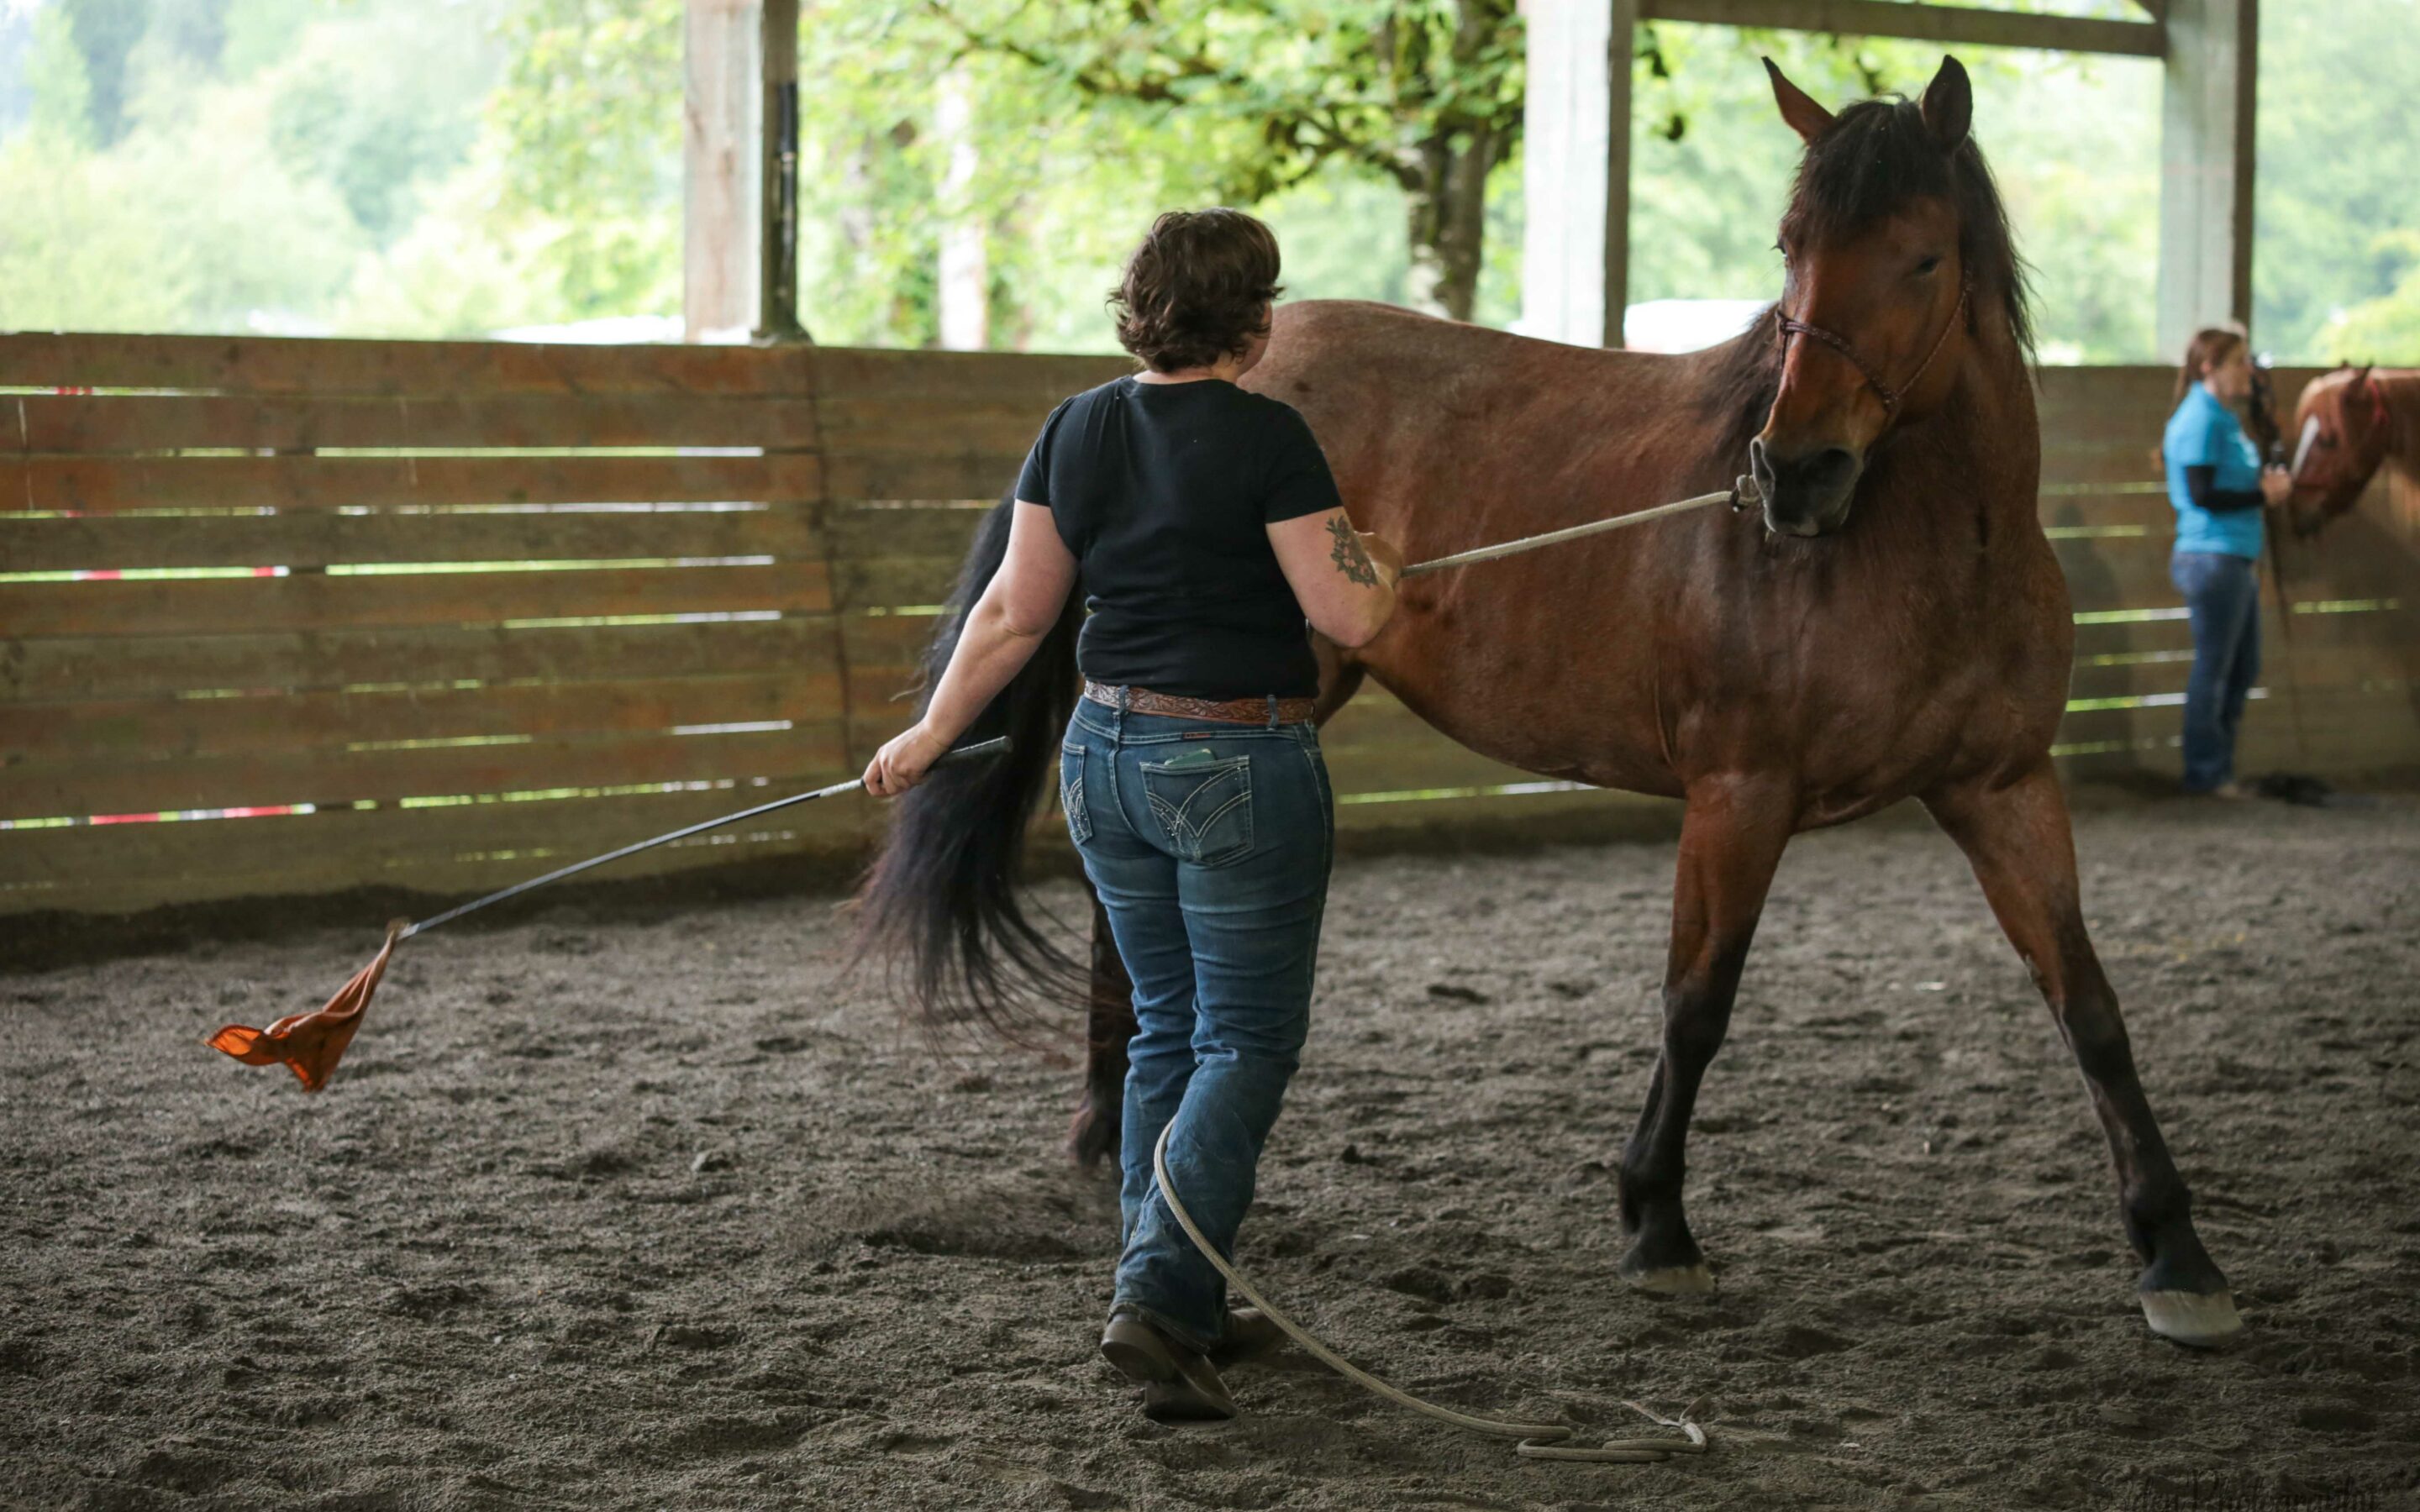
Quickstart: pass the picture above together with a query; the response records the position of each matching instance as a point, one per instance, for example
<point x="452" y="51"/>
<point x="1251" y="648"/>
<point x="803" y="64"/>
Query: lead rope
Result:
<point x="1739" y="496"/>
<point x="1538" y="1441"/>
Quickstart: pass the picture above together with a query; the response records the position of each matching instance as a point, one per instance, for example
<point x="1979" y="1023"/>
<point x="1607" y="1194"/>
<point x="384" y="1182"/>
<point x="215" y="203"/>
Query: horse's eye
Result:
<point x="1928" y="265"/>
<point x="2325" y="438"/>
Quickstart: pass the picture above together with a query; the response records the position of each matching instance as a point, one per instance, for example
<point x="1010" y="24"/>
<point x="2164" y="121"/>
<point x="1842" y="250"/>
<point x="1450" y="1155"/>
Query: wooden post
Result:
<point x="964" y="293"/>
<point x="1576" y="170"/>
<point x="2206" y="161"/>
<point x="777" y="275"/>
<point x="719" y="198"/>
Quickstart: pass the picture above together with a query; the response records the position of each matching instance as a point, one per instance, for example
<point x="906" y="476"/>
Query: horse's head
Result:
<point x="2341" y="431"/>
<point x="1893" y="226"/>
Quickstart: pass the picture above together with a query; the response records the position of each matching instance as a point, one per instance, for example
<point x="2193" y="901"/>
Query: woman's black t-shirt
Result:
<point x="1164" y="492"/>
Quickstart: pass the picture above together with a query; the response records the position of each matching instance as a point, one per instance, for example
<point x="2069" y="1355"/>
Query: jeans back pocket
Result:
<point x="1205" y="807"/>
<point x="1071" y="792"/>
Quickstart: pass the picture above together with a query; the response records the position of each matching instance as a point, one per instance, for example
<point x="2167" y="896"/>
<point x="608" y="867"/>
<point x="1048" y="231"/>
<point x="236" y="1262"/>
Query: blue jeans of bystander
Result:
<point x="2223" y="594"/>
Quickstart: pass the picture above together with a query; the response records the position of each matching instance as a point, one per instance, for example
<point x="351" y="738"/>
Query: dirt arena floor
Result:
<point x="638" y="1208"/>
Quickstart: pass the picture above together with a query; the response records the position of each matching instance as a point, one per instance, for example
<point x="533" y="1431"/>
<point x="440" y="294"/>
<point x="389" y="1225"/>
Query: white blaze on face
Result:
<point x="2302" y="447"/>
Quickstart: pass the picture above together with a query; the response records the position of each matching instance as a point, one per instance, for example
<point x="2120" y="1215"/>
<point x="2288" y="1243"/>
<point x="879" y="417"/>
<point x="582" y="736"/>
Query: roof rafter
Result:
<point x="1924" y="23"/>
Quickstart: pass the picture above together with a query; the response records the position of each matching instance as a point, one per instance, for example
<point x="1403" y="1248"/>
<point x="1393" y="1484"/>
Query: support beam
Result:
<point x="965" y="292"/>
<point x="777" y="275"/>
<point x="1920" y="23"/>
<point x="719" y="197"/>
<point x="2206" y="164"/>
<point x="1576" y="171"/>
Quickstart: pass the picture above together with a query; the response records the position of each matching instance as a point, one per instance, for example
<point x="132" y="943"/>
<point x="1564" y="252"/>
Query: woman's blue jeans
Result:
<point x="1209" y="844"/>
<point x="2223" y="593"/>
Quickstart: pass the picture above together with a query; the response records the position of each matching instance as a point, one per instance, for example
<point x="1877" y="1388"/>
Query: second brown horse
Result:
<point x="1893" y="625"/>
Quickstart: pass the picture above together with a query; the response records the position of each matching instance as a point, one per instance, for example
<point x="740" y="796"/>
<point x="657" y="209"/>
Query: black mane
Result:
<point x="1875" y="157"/>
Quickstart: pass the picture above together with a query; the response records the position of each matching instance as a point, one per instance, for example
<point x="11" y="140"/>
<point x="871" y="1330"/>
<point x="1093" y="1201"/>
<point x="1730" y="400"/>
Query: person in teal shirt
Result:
<point x="2217" y="484"/>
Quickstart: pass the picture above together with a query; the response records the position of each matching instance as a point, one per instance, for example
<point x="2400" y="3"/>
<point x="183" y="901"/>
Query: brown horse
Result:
<point x="1894" y="625"/>
<point x="2347" y="424"/>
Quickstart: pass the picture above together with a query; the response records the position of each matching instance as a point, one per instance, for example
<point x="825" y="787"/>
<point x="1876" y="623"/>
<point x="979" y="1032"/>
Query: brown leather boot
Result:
<point x="1179" y="1385"/>
<point x="1249" y="1334"/>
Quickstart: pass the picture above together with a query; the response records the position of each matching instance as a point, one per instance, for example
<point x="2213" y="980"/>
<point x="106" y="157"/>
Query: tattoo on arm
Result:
<point x="1348" y="556"/>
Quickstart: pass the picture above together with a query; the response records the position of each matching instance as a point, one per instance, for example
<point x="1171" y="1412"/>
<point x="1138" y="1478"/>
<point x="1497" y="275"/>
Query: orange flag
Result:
<point x="312" y="1044"/>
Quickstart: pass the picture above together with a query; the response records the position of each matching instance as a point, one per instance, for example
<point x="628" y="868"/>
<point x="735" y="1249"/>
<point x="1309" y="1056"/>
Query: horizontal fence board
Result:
<point x="320" y="537"/>
<point x="108" y="484"/>
<point x="884" y="651"/>
<point x="2310" y="667"/>
<point x="317" y="601"/>
<point x="944" y="476"/>
<point x="886" y="558"/>
<point x="2066" y="463"/>
<point x="2391" y="629"/>
<point x="316" y="366"/>
<point x="893" y="582"/>
<point x="164" y="729"/>
<point x="2390" y="712"/>
<point x="901" y="428"/>
<point x="872" y="533"/>
<point x="128" y="667"/>
<point x="453" y="851"/>
<point x="143" y="422"/>
<point x="2139" y="391"/>
<point x="943" y="382"/>
<point x="809" y="756"/>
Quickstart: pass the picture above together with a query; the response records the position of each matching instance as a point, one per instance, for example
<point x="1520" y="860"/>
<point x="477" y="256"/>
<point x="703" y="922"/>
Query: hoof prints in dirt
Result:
<point x="447" y="1288"/>
<point x="977" y="1234"/>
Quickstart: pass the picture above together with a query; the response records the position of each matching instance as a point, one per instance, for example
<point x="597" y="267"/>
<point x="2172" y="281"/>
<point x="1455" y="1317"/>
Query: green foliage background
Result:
<point x="413" y="168"/>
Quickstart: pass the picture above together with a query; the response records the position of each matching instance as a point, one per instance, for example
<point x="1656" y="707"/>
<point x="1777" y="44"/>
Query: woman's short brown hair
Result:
<point x="1197" y="289"/>
<point x="2213" y="346"/>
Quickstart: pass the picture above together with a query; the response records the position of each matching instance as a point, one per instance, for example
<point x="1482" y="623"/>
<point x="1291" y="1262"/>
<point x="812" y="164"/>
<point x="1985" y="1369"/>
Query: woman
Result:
<point x="2218" y="486"/>
<point x="1206" y="529"/>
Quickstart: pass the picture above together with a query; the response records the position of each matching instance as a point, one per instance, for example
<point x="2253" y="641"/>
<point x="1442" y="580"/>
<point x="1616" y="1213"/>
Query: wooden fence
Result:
<point x="2339" y="695"/>
<point x="289" y="616"/>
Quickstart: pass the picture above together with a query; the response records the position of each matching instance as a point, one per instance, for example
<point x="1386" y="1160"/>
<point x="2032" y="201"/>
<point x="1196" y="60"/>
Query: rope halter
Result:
<point x="1889" y="395"/>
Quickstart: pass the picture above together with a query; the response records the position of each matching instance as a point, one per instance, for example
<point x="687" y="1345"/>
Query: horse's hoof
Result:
<point x="1090" y="1137"/>
<point x="2196" y="1320"/>
<point x="1675" y="1281"/>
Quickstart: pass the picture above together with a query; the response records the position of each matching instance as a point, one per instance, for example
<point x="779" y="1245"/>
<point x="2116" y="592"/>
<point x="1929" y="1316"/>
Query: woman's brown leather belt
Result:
<point x="1225" y="711"/>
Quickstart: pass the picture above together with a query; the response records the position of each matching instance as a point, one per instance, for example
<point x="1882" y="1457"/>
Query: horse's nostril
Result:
<point x="1831" y="467"/>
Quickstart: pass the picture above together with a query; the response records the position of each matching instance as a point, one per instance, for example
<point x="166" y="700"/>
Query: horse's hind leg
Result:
<point x="2024" y="853"/>
<point x="1110" y="1023"/>
<point x="1731" y="840"/>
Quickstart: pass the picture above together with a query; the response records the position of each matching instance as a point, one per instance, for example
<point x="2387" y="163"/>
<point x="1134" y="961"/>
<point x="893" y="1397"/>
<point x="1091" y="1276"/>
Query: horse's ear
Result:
<point x="1798" y="108"/>
<point x="1950" y="104"/>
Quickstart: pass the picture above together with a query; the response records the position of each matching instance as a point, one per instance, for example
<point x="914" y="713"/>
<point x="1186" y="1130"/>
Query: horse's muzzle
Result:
<point x="1804" y="495"/>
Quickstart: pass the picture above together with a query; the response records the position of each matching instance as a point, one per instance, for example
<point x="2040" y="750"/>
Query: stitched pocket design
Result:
<point x="1071" y="793"/>
<point x="1205" y="807"/>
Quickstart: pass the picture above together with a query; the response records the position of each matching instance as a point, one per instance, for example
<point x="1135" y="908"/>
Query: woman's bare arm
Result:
<point x="1003" y="629"/>
<point x="1345" y="579"/>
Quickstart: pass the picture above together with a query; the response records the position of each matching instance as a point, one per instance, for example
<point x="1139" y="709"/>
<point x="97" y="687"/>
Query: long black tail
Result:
<point x="939" y="905"/>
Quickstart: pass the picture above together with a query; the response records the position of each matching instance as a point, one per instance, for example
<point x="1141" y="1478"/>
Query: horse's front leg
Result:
<point x="1732" y="838"/>
<point x="2024" y="853"/>
<point x="1110" y="1023"/>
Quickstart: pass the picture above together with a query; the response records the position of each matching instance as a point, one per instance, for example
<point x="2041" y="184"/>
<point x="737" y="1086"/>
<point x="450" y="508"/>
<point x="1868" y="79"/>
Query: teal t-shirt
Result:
<point x="2203" y="433"/>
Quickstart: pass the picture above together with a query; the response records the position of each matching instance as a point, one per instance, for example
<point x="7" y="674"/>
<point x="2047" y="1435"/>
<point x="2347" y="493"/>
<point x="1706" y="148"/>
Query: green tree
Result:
<point x="382" y="103"/>
<point x="590" y="116"/>
<point x="105" y="34"/>
<point x="2336" y="125"/>
<point x="2385" y="329"/>
<point x="1423" y="93"/>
